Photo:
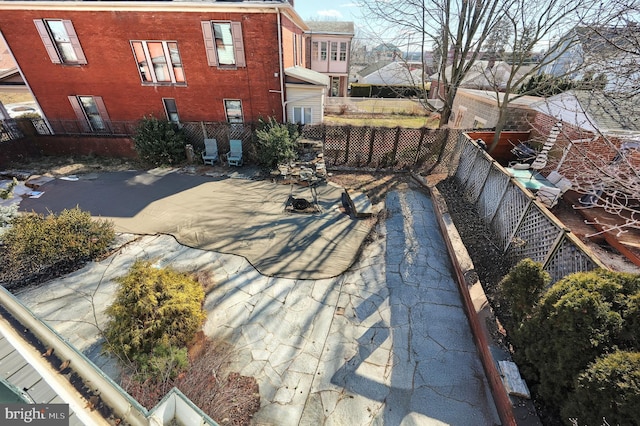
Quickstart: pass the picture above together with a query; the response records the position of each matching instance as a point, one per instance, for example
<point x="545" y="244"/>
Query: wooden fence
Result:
<point x="522" y="227"/>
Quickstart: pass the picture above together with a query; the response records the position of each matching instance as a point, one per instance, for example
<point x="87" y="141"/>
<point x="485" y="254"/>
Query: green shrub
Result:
<point x="520" y="289"/>
<point x="35" y="243"/>
<point x="159" y="142"/>
<point x="275" y="143"/>
<point x="7" y="213"/>
<point x="154" y="309"/>
<point x="579" y="319"/>
<point x="162" y="364"/>
<point x="609" y="388"/>
<point x="7" y="192"/>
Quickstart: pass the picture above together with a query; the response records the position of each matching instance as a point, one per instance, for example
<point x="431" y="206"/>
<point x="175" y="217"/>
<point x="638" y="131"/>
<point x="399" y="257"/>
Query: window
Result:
<point x="91" y="113"/>
<point x="233" y="109"/>
<point x="343" y="51"/>
<point x="171" y="109"/>
<point x="223" y="44"/>
<point x="323" y="50"/>
<point x="314" y="50"/>
<point x="60" y="41"/>
<point x="302" y="115"/>
<point x="335" y="86"/>
<point x="479" y="123"/>
<point x="158" y="61"/>
<point x="334" y="50"/>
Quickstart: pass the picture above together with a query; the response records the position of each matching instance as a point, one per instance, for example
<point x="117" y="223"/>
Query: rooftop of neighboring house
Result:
<point x="594" y="111"/>
<point x="483" y="73"/>
<point x="395" y="73"/>
<point x="490" y="96"/>
<point x="331" y="27"/>
<point x="37" y="366"/>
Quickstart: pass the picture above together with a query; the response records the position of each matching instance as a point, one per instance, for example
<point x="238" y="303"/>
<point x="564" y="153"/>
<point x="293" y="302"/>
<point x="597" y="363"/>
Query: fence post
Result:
<point x="423" y="130"/>
<point x="371" y="142"/>
<point x="395" y="146"/>
<point x="346" y="148"/>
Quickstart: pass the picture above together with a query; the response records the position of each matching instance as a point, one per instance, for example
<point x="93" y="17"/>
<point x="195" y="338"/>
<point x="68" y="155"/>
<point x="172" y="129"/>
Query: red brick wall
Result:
<point x="289" y="29"/>
<point x="112" y="73"/>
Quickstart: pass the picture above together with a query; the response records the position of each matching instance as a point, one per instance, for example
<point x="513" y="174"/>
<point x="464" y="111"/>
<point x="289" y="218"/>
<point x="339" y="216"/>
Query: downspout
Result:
<point x="284" y="109"/>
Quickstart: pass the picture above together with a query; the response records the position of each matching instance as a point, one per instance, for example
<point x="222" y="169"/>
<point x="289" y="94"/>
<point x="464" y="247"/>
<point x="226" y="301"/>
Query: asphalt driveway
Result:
<point x="238" y="216"/>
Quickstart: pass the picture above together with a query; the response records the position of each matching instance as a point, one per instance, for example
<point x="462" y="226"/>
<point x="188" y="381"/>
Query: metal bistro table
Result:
<point x="531" y="179"/>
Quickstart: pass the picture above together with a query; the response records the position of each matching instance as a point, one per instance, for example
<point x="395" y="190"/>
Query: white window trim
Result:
<point x="224" y="103"/>
<point x="480" y="121"/>
<point x="302" y="111"/>
<point x="166" y="110"/>
<point x="147" y="58"/>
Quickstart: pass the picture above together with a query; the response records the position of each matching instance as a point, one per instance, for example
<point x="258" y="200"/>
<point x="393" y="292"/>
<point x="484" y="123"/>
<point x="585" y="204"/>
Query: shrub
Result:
<point x="7" y="192"/>
<point x="521" y="288"/>
<point x="275" y="143"/>
<point x="7" y="213"/>
<point x="34" y="244"/>
<point x="609" y="388"/>
<point x="579" y="319"/>
<point x="155" y="309"/>
<point x="159" y="142"/>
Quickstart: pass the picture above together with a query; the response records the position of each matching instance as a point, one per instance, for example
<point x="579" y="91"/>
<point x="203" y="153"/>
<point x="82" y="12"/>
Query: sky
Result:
<point x="336" y="10"/>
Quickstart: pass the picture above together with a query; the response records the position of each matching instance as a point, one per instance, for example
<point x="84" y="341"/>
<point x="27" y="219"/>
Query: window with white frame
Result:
<point x="343" y="51"/>
<point x="301" y="115"/>
<point x="91" y="113"/>
<point x="60" y="41"/>
<point x="158" y="61"/>
<point x="233" y="109"/>
<point x="315" y="51"/>
<point x="323" y="50"/>
<point x="224" y="44"/>
<point x="334" y="50"/>
<point x="171" y="109"/>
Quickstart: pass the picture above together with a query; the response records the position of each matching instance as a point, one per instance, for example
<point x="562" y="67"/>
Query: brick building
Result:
<point x="94" y="64"/>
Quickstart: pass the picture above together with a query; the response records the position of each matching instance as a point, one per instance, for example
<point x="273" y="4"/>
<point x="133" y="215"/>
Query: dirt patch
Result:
<point x="64" y="166"/>
<point x="374" y="185"/>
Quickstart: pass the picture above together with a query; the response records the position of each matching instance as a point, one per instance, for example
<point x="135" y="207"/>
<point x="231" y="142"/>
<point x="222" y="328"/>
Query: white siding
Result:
<point x="306" y="96"/>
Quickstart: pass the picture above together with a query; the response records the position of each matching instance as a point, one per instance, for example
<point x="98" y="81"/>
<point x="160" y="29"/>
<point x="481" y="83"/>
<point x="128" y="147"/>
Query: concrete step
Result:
<point x="359" y="203"/>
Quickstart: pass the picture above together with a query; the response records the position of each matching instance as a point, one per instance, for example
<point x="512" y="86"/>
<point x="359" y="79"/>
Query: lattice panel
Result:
<point x="477" y="176"/>
<point x="335" y="145"/>
<point x="359" y="146"/>
<point x="451" y="155"/>
<point x="535" y="236"/>
<point x="313" y="132"/>
<point x="508" y="213"/>
<point x="406" y="153"/>
<point x="568" y="259"/>
<point x="492" y="193"/>
<point x="467" y="159"/>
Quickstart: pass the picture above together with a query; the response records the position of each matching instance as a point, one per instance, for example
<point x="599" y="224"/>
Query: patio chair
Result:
<point x="210" y="154"/>
<point x="560" y="181"/>
<point x="234" y="157"/>
<point x="549" y="196"/>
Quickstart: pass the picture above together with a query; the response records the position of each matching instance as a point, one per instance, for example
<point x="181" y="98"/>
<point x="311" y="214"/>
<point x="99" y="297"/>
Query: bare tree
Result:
<point x="459" y="28"/>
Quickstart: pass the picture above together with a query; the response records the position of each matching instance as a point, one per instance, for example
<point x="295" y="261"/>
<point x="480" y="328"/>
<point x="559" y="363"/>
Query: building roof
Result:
<point x="594" y="111"/>
<point x="331" y="27"/>
<point x="307" y="75"/>
<point x="483" y="75"/>
<point x="490" y="96"/>
<point x="394" y="73"/>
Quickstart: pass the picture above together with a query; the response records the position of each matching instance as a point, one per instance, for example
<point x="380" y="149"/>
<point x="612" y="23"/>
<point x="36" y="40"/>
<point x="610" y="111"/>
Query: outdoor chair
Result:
<point x="234" y="157"/>
<point x="560" y="181"/>
<point x="210" y="154"/>
<point x="549" y="196"/>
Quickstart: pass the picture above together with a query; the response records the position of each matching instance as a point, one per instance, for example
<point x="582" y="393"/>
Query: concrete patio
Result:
<point x="387" y="342"/>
